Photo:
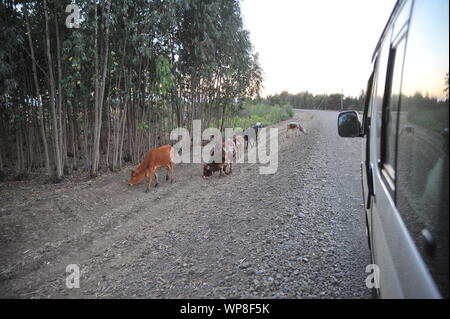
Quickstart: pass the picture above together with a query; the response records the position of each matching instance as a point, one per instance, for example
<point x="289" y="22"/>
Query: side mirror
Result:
<point x="348" y="124"/>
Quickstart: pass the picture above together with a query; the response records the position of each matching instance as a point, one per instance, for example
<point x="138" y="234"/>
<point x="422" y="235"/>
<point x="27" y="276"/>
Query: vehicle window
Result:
<point x="378" y="92"/>
<point x="390" y="111"/>
<point x="423" y="145"/>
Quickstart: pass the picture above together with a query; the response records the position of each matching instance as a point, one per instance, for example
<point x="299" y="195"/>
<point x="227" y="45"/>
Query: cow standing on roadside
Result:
<point x="295" y="126"/>
<point x="154" y="159"/>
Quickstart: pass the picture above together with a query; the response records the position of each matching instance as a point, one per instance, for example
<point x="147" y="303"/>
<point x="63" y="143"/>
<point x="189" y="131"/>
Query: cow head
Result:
<point x="135" y="178"/>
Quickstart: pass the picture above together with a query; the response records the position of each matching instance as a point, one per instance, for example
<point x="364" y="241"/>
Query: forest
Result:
<point x="93" y="94"/>
<point x="308" y="100"/>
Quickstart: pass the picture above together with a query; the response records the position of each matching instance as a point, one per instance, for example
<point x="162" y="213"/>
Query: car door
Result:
<point x="403" y="273"/>
<point x="422" y="186"/>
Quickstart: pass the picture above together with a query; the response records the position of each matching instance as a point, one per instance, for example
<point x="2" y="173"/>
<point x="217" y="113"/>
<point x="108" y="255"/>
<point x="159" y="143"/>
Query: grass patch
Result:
<point x="264" y="113"/>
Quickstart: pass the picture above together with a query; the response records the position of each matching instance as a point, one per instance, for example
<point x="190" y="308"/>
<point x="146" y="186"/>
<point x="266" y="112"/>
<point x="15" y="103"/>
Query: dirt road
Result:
<point x="299" y="233"/>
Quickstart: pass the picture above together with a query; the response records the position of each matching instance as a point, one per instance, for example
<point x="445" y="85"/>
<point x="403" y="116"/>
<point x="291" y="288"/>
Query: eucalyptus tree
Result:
<point x="107" y="91"/>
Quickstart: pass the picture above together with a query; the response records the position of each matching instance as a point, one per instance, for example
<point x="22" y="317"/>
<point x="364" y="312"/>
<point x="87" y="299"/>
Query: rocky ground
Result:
<point x="299" y="233"/>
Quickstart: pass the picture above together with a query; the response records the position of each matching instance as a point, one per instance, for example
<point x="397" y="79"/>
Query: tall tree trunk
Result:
<point x="86" y="129"/>
<point x="57" y="147"/>
<point x="99" y="91"/>
<point x="19" y="145"/>
<point x="1" y="160"/>
<point x="71" y="119"/>
<point x="38" y="96"/>
<point x="29" y="140"/>
<point x="61" y="130"/>
<point x="108" y="119"/>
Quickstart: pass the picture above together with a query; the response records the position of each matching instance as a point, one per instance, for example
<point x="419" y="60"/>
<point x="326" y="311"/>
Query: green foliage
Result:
<point x="165" y="78"/>
<point x="143" y="126"/>
<point x="264" y="113"/>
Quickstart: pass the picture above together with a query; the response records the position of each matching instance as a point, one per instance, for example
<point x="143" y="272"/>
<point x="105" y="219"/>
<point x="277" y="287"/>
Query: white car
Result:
<point x="406" y="151"/>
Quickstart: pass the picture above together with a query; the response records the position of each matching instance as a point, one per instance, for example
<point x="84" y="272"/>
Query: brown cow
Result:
<point x="294" y="126"/>
<point x="154" y="159"/>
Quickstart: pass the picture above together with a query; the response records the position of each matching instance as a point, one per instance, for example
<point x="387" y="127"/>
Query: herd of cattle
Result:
<point x="231" y="149"/>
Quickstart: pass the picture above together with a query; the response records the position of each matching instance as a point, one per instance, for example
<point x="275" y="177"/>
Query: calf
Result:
<point x="209" y="169"/>
<point x="228" y="149"/>
<point x="295" y="126"/>
<point x="154" y="159"/>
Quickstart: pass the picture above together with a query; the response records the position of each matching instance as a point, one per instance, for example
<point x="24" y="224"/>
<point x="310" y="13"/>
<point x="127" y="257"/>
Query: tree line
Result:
<point x="308" y="100"/>
<point x="101" y="93"/>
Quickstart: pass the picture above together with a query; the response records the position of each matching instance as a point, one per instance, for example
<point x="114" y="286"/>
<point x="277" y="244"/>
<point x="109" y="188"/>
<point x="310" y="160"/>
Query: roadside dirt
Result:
<point x="296" y="234"/>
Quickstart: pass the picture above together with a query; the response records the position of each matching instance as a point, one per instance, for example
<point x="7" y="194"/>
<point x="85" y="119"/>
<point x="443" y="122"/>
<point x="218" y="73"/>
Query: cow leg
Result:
<point x="171" y="172"/>
<point x="156" y="179"/>
<point x="168" y="171"/>
<point x="230" y="170"/>
<point x="150" y="177"/>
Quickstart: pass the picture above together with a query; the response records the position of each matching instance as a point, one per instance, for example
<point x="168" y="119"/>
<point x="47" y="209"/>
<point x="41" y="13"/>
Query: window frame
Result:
<point x="367" y="104"/>
<point x="388" y="173"/>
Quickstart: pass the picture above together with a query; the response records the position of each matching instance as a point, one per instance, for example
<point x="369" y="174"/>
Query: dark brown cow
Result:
<point x="209" y="169"/>
<point x="228" y="149"/>
<point x="295" y="126"/>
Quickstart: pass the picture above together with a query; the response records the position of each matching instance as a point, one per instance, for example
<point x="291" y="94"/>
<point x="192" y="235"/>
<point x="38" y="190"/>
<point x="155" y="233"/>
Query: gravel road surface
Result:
<point x="299" y="233"/>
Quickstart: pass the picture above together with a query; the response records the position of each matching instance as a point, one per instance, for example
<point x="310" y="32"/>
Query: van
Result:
<point x="404" y="129"/>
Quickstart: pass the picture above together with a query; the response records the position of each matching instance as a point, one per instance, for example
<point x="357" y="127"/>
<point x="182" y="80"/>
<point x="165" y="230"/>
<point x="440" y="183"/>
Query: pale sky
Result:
<point x="323" y="46"/>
